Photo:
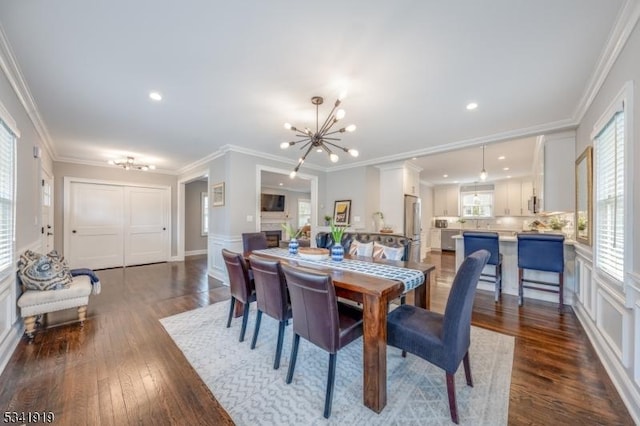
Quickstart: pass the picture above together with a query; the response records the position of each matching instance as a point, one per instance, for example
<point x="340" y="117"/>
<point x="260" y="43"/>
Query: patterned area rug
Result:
<point x="253" y="393"/>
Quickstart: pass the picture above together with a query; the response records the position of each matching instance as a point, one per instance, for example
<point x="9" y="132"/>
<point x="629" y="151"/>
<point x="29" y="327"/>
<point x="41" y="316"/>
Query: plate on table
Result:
<point x="313" y="253"/>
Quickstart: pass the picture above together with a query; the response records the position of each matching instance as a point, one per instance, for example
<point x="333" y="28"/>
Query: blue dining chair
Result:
<point x="474" y="241"/>
<point x="541" y="252"/>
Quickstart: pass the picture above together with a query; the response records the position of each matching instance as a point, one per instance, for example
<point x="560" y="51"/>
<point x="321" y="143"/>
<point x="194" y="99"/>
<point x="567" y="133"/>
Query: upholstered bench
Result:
<point x="34" y="303"/>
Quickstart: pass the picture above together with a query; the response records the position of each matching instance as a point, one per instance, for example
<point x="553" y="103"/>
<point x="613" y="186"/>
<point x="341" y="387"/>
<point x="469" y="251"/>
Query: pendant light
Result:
<point x="483" y="173"/>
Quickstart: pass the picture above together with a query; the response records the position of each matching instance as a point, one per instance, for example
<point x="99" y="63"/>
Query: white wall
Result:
<point x="193" y="238"/>
<point x="609" y="314"/>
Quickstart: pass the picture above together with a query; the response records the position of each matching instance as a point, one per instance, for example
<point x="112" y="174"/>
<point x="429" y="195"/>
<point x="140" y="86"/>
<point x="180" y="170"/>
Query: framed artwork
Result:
<point x="217" y="194"/>
<point x="341" y="212"/>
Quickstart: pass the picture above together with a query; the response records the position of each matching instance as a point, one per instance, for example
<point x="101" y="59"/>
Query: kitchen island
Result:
<point x="509" y="249"/>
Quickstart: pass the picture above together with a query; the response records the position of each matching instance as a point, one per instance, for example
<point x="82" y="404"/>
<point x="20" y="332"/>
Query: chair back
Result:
<point x="456" y="324"/>
<point x="474" y="241"/>
<point x="240" y="286"/>
<point x="542" y="252"/>
<point x="315" y="307"/>
<point x="254" y="241"/>
<point x="271" y="287"/>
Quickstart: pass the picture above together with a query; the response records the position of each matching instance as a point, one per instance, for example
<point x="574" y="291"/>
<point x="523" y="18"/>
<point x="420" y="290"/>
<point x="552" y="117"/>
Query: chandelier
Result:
<point x="130" y="164"/>
<point x="320" y="140"/>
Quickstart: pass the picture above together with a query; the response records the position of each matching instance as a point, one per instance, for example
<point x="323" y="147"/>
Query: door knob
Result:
<point x="74" y="231"/>
<point x="49" y="233"/>
<point x="164" y="229"/>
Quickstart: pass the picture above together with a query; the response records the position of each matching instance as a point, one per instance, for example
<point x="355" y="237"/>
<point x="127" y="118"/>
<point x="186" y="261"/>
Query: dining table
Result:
<point x="374" y="283"/>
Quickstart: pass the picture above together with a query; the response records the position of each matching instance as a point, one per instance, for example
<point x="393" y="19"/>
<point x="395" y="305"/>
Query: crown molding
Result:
<point x="11" y="70"/>
<point x="625" y="23"/>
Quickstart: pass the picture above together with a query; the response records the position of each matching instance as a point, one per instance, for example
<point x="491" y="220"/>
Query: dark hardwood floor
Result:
<point x="122" y="367"/>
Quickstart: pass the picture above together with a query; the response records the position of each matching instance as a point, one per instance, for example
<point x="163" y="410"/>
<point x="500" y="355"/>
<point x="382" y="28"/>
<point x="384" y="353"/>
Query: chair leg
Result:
<point x="29" y="326"/>
<point x="561" y="291"/>
<point x="233" y="304"/>
<point x="257" y="329"/>
<point x="294" y="355"/>
<point x="498" y="274"/>
<point x="403" y="299"/>
<point x="82" y="314"/>
<point x="451" y="391"/>
<point x="245" y="320"/>
<point x="520" y="289"/>
<point x="276" y="362"/>
<point x="330" y="385"/>
<point x="467" y="369"/>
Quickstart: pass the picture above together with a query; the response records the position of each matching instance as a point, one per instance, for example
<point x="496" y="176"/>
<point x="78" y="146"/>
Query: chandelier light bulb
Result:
<point x="284" y="145"/>
<point x="292" y="175"/>
<point x="353" y="152"/>
<point x="334" y="158"/>
<point x="350" y="128"/>
<point x="342" y="95"/>
<point x="340" y="114"/>
<point x="319" y="150"/>
<point x="111" y="162"/>
<point x="287" y="126"/>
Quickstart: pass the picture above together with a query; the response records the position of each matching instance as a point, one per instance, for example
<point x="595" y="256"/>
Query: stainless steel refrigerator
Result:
<point x="412" y="225"/>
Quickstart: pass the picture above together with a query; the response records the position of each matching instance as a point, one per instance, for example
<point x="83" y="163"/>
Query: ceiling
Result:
<point x="231" y="73"/>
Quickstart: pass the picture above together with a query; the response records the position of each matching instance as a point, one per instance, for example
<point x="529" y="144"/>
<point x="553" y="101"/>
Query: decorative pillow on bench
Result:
<point x="43" y="272"/>
<point x="386" y="252"/>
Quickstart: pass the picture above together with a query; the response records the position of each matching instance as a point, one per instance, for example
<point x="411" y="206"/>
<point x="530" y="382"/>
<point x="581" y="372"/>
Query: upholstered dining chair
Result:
<point x="474" y="241"/>
<point x="272" y="298"/>
<point x="254" y="241"/>
<point x="240" y="286"/>
<point x="443" y="340"/>
<point x="319" y="318"/>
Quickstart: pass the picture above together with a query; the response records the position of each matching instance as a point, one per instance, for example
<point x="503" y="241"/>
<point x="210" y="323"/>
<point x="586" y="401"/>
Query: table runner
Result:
<point x="411" y="278"/>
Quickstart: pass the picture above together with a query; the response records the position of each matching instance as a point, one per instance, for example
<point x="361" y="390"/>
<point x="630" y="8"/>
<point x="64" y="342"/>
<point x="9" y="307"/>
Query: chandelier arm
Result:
<point x="330" y="139"/>
<point x="326" y="148"/>
<point x="338" y="146"/>
<point x="306" y="139"/>
<point x="330" y="118"/>
<point x="305" y="145"/>
<point x="304" y="157"/>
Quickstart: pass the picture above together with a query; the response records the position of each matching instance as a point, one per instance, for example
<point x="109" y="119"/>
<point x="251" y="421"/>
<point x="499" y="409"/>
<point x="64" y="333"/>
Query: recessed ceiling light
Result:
<point x="455" y="181"/>
<point x="502" y="157"/>
<point x="505" y="168"/>
<point x="445" y="175"/>
<point x="280" y="184"/>
<point x="414" y="158"/>
<point x="155" y="96"/>
<point x="508" y="177"/>
<point x="471" y="106"/>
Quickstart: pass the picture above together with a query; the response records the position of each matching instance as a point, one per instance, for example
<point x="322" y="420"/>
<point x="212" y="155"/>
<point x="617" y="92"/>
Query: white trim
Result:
<point x="8" y="120"/>
<point x="626" y="21"/>
<point x="180" y="220"/>
<point x="622" y="352"/>
<point x="11" y="70"/>
<point x="618" y="375"/>
<point x="195" y="252"/>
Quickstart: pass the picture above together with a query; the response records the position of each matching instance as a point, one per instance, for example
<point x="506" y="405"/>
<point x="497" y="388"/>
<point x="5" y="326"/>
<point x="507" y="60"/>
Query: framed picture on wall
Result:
<point x="217" y="194"/>
<point x="341" y="212"/>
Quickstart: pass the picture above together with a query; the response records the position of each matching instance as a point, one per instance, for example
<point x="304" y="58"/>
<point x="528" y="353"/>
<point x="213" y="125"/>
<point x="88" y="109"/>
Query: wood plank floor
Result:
<point x="122" y="368"/>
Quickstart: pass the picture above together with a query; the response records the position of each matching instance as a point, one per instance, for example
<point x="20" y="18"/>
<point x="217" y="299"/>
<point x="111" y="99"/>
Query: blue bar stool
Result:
<point x="474" y="241"/>
<point x="541" y="252"/>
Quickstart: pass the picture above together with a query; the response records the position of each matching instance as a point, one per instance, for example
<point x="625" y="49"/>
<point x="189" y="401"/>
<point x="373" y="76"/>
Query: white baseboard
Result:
<point x="195" y="252"/>
<point x="9" y="343"/>
<point x="622" y="382"/>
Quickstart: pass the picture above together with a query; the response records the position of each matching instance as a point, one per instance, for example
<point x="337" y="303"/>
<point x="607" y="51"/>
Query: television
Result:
<point x="271" y="203"/>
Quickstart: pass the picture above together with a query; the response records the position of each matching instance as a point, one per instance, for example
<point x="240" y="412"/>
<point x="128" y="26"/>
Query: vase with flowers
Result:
<point x="337" y="251"/>
<point x="378" y="219"/>
<point x="293" y="238"/>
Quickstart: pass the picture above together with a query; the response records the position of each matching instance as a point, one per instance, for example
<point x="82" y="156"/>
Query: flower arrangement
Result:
<point x="293" y="234"/>
<point x="337" y="232"/>
<point x="557" y="224"/>
<point x="582" y="223"/>
<point x="327" y="219"/>
<point x="379" y="214"/>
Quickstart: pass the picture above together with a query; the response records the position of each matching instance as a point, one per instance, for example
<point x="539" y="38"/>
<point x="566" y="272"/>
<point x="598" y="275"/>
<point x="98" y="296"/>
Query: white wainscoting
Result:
<point x="216" y="243"/>
<point x="612" y="325"/>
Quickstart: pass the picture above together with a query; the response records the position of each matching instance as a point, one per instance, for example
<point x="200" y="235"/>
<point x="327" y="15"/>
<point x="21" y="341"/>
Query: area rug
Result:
<point x="253" y="393"/>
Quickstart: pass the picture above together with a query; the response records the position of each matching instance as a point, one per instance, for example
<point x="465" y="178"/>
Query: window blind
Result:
<point x="610" y="196"/>
<point x="7" y="193"/>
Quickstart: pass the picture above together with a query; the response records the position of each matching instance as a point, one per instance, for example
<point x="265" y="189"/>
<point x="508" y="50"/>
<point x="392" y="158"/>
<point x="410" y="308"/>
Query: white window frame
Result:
<point x="300" y="216"/>
<point x="204" y="213"/>
<point x="8" y="268"/>
<point x="481" y="194"/>
<point x="622" y="102"/>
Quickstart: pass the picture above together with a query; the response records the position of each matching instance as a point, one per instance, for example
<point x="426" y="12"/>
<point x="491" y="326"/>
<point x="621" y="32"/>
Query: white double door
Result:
<point x="113" y="225"/>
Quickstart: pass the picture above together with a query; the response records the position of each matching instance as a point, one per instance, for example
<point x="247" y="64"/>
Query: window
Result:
<point x="7" y="198"/>
<point x="204" y="213"/>
<point x="612" y="187"/>
<point x="304" y="212"/>
<point x="477" y="204"/>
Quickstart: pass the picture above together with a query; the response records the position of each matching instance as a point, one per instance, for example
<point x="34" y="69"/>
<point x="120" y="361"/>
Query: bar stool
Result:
<point x="541" y="252"/>
<point x="474" y="241"/>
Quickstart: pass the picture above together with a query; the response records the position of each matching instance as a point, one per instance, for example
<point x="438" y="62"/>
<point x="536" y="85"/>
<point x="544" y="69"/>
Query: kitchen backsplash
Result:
<point x="564" y="220"/>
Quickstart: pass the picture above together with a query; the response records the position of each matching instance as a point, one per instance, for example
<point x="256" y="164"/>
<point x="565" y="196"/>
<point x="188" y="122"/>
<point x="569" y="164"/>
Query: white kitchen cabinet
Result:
<point x="553" y="171"/>
<point x="507" y="198"/>
<point x="527" y="191"/>
<point x="446" y="200"/>
<point x="436" y="238"/>
<point x="411" y="179"/>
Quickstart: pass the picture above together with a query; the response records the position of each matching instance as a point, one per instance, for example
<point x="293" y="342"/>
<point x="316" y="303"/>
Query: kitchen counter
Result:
<point x="509" y="251"/>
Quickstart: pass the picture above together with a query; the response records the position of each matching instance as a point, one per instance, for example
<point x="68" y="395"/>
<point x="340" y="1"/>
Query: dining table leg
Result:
<point x="374" y="352"/>
<point x="422" y="294"/>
